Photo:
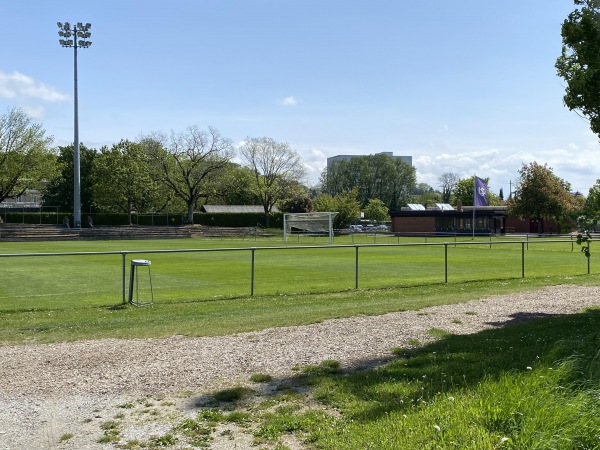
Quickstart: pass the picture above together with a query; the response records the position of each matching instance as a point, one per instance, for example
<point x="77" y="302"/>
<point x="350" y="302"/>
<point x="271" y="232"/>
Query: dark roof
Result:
<point x="239" y="209"/>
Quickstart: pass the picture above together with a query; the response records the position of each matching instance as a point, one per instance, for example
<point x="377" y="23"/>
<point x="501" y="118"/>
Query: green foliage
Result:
<point x="530" y="385"/>
<point x="585" y="226"/>
<point x="592" y="203"/>
<point x="540" y="194"/>
<point x="189" y="164"/>
<point x="59" y="192"/>
<point x="26" y="161"/>
<point x="234" y="394"/>
<point x="260" y="378"/>
<point x="208" y="293"/>
<point x="464" y="190"/>
<point x="376" y="211"/>
<point x="372" y="176"/>
<point x="346" y="205"/>
<point x="579" y="63"/>
<point x="123" y="182"/>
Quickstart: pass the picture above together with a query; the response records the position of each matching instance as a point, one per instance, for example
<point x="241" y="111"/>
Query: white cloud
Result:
<point x="288" y="101"/>
<point x="574" y="164"/>
<point x="16" y="85"/>
<point x="35" y="112"/>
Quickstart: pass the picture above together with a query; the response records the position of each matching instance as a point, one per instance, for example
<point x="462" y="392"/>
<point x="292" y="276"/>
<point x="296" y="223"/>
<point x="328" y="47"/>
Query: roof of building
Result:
<point x="239" y="209"/>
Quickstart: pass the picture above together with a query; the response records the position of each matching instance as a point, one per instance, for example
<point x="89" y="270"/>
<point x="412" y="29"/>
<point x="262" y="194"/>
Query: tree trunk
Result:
<point x="190" y="213"/>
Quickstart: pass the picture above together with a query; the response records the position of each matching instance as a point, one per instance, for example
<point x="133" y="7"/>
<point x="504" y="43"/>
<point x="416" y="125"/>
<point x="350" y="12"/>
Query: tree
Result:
<point x="188" y="163"/>
<point x="579" y="63"/>
<point x="447" y="182"/>
<point x="346" y="205"/>
<point x="376" y="211"/>
<point x="540" y="194"/>
<point x="373" y="176"/>
<point x="464" y="190"/>
<point x="234" y="186"/>
<point x="592" y="203"/>
<point x="26" y="160"/>
<point x="277" y="168"/>
<point x="425" y="195"/>
<point x="123" y="182"/>
<point x="59" y="192"/>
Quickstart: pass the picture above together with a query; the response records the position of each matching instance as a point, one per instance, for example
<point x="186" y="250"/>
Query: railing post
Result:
<point x="572" y="243"/>
<point x="252" y="250"/>
<point x="123" y="257"/>
<point x="523" y="259"/>
<point x="446" y="262"/>
<point x="589" y="243"/>
<point x="356" y="269"/>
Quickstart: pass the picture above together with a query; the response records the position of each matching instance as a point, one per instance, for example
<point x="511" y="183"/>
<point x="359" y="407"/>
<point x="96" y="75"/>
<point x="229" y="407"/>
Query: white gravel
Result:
<point x="47" y="391"/>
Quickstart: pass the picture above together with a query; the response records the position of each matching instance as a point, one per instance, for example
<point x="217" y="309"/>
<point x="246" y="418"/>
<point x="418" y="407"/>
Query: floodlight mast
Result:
<point x="77" y="36"/>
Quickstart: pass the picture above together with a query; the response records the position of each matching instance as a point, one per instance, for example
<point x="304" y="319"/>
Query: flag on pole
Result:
<point x="480" y="193"/>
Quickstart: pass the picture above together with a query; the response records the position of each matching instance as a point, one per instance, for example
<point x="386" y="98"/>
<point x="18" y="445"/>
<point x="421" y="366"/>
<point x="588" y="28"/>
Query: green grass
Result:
<point x="61" y="298"/>
<point x="533" y="385"/>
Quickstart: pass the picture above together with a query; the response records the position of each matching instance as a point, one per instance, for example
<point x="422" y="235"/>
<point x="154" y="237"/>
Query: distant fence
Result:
<point x="349" y="266"/>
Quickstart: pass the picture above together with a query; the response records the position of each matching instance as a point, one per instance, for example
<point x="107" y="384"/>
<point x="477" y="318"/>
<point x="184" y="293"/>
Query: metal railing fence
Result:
<point x="355" y="249"/>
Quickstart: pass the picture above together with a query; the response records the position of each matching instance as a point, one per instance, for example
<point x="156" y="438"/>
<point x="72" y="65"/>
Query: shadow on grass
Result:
<point x="447" y="366"/>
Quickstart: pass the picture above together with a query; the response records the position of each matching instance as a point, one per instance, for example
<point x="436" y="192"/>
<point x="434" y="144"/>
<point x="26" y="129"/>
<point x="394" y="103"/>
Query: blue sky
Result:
<point x="462" y="86"/>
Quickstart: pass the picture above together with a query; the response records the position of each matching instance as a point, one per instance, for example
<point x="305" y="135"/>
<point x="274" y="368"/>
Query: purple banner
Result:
<point x="480" y="193"/>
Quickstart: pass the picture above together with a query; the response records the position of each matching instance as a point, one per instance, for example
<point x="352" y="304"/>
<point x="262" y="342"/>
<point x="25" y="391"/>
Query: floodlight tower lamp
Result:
<point x="79" y="31"/>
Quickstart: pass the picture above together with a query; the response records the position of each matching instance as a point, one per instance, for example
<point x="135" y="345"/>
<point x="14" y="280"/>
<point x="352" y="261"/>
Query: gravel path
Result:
<point x="52" y="389"/>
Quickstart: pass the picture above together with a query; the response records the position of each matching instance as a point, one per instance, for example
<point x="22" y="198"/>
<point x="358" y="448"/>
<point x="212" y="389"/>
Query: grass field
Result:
<point x="68" y="297"/>
<point x="534" y="385"/>
<point x="96" y="279"/>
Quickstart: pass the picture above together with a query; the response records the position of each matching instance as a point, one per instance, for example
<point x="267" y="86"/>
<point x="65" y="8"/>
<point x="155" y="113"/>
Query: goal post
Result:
<point x="314" y="222"/>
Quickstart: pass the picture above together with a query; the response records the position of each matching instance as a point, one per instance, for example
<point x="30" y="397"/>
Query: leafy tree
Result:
<point x="425" y="195"/>
<point x="60" y="189"/>
<point x="189" y="163"/>
<point x="464" y="190"/>
<point x="592" y="203"/>
<point x="447" y="182"/>
<point x="26" y="160"/>
<point x="277" y="168"/>
<point x="373" y="176"/>
<point x="579" y="63"/>
<point x="346" y="205"/>
<point x="123" y="182"/>
<point x="234" y="186"/>
<point x="376" y="211"/>
<point x="298" y="204"/>
<point x="540" y="194"/>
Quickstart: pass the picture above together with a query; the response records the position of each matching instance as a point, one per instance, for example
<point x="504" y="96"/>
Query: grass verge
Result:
<point x="233" y="315"/>
<point x="533" y="385"/>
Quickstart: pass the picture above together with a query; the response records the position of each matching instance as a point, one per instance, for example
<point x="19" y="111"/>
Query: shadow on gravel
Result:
<point x="455" y="361"/>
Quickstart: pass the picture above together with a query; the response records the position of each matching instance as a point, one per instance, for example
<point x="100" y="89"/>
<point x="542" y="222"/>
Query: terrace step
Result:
<point x="16" y="232"/>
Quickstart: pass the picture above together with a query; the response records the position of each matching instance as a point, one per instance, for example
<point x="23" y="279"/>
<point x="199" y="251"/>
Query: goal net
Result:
<point x="310" y="223"/>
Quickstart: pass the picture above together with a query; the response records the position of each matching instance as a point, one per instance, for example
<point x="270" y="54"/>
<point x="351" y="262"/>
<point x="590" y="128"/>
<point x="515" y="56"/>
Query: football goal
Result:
<point x="309" y="223"/>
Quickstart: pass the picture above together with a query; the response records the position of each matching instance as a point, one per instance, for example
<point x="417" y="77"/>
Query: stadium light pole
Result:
<point x="76" y="37"/>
